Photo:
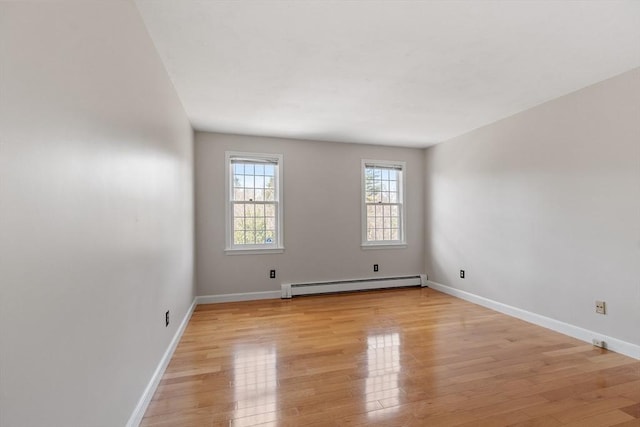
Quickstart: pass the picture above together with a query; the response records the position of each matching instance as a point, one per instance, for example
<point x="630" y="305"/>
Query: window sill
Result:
<point x="253" y="251"/>
<point x="367" y="246"/>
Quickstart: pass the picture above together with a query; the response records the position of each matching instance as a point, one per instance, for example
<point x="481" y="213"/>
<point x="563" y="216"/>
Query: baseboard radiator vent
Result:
<point x="290" y="290"/>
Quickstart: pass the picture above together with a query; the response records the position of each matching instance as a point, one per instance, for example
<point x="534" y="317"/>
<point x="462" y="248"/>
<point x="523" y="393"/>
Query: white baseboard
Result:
<point x="614" y="344"/>
<point x="249" y="296"/>
<point x="145" y="399"/>
<point x="147" y="395"/>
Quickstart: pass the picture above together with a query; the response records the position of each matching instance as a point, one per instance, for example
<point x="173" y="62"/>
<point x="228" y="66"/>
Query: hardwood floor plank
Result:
<point x="606" y="419"/>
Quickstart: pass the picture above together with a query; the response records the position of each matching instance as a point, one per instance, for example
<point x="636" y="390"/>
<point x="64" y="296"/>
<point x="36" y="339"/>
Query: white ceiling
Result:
<point x="405" y="73"/>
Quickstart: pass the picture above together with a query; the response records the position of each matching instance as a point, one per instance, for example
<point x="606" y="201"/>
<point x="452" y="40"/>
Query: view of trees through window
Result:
<point x="254" y="202"/>
<point x="383" y="201"/>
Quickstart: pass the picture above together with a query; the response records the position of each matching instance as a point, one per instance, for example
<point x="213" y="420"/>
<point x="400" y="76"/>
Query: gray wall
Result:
<point x="542" y="209"/>
<point x="321" y="215"/>
<point x="96" y="208"/>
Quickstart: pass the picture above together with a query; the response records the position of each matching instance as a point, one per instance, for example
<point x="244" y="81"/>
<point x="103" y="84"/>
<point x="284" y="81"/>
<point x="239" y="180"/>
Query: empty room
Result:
<point x="319" y="213"/>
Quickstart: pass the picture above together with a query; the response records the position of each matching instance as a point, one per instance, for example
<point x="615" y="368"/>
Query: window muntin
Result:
<point x="254" y="190"/>
<point x="383" y="203"/>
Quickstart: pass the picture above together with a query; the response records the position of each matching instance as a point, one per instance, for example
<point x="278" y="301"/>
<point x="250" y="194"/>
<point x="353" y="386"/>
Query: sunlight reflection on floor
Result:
<point x="383" y="358"/>
<point x="255" y="385"/>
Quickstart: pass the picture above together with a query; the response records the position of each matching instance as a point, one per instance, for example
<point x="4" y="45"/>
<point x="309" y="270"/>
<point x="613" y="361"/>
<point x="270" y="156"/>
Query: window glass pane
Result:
<point x="270" y="210"/>
<point x="269" y="237"/>
<point x="371" y="222"/>
<point x="270" y="223"/>
<point x="259" y="169"/>
<point x="270" y="188"/>
<point x="249" y="181"/>
<point x="369" y="196"/>
<point x="269" y="170"/>
<point x="368" y="173"/>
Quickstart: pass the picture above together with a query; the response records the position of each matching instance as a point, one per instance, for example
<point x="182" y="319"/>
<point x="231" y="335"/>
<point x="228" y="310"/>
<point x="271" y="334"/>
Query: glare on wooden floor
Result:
<point x="396" y="357"/>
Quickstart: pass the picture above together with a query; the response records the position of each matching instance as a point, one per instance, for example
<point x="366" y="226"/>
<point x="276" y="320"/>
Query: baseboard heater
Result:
<point x="290" y="290"/>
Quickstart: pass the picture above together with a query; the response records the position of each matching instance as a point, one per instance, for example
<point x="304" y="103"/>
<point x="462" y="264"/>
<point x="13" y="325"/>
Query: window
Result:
<point x="383" y="213"/>
<point x="254" y="202"/>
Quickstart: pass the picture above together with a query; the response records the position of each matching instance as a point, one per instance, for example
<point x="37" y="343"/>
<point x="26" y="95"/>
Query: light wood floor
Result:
<point x="397" y="357"/>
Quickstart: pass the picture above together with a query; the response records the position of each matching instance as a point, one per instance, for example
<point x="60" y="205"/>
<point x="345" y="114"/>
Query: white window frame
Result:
<point x="381" y="244"/>
<point x="278" y="245"/>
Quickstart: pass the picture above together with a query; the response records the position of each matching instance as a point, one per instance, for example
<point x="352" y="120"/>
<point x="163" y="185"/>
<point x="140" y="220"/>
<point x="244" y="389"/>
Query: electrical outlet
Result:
<point x="166" y="319"/>
<point x="272" y="274"/>
<point x="600" y="307"/>
<point x="462" y="274"/>
<point x="599" y="343"/>
<point x="375" y="267"/>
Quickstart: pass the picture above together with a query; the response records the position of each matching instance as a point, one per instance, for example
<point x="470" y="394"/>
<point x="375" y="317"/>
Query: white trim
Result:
<point x="149" y="391"/>
<point x="614" y="344"/>
<point x="364" y="243"/>
<point x="248" y="296"/>
<point x="253" y="251"/>
<point x="279" y="176"/>
<point x="383" y="246"/>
